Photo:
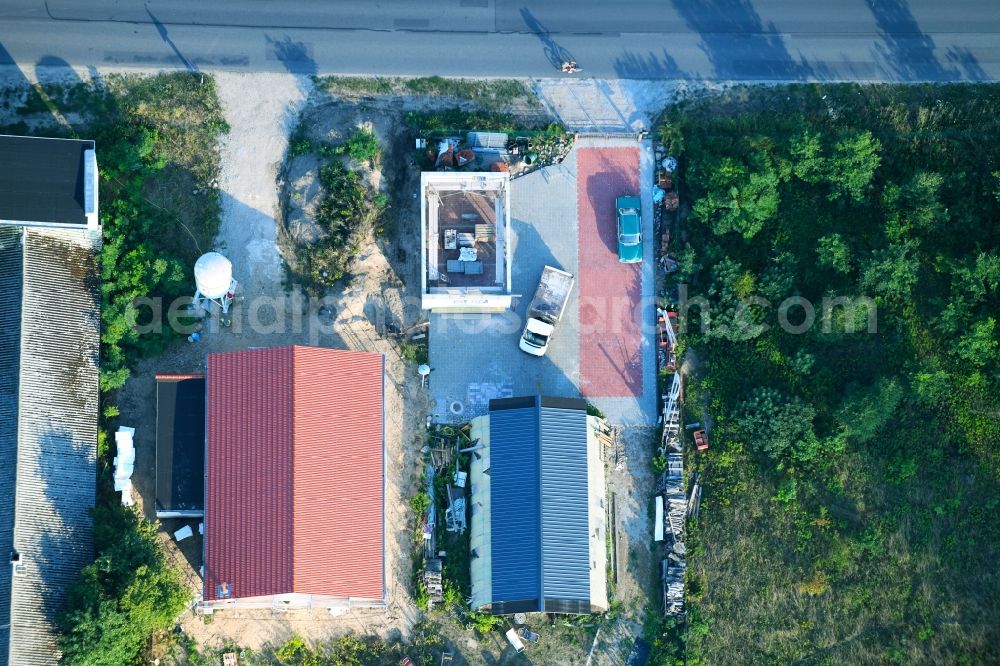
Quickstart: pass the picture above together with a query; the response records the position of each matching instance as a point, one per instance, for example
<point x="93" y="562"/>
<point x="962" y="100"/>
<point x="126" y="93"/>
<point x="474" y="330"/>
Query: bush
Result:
<point x="129" y="593"/>
<point x="363" y="146"/>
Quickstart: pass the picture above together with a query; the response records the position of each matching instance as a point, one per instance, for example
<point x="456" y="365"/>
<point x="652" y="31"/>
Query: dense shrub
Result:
<point x="850" y="468"/>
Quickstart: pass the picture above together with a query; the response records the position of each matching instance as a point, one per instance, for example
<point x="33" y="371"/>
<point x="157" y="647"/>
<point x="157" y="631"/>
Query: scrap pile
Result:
<point x="672" y="504"/>
<point x="496" y="151"/>
<point x="431" y="578"/>
<point x="613" y="450"/>
<point x="666" y="340"/>
<point x="671" y="417"/>
<point x="673" y="566"/>
<point x="666" y="201"/>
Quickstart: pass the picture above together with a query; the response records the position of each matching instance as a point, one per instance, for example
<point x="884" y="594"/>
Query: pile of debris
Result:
<point x="610" y="436"/>
<point x="496" y="151"/>
<point x="446" y="444"/>
<point x="666" y="201"/>
<point x="666" y="340"/>
<point x="672" y="509"/>
<point x="671" y="417"/>
<point x="431" y="578"/>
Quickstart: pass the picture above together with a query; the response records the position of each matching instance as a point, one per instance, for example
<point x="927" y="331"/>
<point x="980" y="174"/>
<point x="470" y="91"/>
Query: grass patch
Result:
<point x="414" y="352"/>
<point x="492" y="93"/>
<point x="347" y="215"/>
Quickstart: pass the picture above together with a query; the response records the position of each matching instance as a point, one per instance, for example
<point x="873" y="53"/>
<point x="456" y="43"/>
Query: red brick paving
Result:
<point x="610" y="291"/>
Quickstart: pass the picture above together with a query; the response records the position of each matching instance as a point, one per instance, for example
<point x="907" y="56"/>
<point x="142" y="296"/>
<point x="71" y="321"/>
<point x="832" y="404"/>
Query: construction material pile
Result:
<point x="675" y="515"/>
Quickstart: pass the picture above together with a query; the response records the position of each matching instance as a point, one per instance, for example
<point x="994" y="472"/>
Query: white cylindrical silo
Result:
<point x="213" y="274"/>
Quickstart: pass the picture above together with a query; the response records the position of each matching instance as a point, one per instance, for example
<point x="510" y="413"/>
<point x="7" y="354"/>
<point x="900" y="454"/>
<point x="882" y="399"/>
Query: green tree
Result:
<point x="866" y="412"/>
<point x="853" y="165"/>
<point x="893" y="272"/>
<point x="979" y="346"/>
<point x="808" y="162"/>
<point x="833" y="252"/>
<point x="777" y="425"/>
<point x="739" y="199"/>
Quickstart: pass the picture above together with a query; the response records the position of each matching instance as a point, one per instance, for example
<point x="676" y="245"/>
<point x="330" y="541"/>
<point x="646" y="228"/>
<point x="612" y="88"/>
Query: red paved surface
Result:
<point x="294" y="473"/>
<point x="610" y="292"/>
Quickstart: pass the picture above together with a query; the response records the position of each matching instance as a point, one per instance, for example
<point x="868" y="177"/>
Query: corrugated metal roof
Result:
<point x="11" y="272"/>
<point x="515" y="540"/>
<point x="539" y="496"/>
<point x="338" y="473"/>
<point x="294" y="486"/>
<point x="57" y="441"/>
<point x="564" y="506"/>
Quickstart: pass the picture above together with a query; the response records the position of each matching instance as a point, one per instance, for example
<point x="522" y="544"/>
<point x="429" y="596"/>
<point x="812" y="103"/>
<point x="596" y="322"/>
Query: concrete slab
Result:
<point x="475" y="357"/>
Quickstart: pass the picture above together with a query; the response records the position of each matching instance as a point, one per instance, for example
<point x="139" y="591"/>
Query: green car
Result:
<point x="629" y="229"/>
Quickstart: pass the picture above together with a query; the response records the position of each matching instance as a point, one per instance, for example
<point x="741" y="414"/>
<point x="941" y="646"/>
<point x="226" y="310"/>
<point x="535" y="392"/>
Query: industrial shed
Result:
<point x="294" y="483"/>
<point x="539" y="522"/>
<point x="49" y="351"/>
<point x="49" y="342"/>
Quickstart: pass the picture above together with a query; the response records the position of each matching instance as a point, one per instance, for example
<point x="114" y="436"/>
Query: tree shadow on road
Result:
<point x="910" y="52"/>
<point x="165" y="36"/>
<point x="739" y="44"/>
<point x="633" y="65"/>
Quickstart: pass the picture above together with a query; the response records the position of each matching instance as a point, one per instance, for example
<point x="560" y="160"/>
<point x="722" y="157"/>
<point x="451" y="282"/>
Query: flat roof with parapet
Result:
<point x="48" y="182"/>
<point x="465" y="241"/>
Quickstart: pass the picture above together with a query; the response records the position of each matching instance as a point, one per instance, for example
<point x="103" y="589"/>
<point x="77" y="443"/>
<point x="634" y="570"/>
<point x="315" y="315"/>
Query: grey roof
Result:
<point x="42" y="180"/>
<point x="54" y="333"/>
<point x="539" y="514"/>
<point x="10" y="344"/>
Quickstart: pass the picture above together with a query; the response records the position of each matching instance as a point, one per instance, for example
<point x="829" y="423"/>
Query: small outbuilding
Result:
<point x="538" y="534"/>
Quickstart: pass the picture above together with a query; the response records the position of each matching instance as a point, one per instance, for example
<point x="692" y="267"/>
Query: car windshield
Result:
<point x="534" y="339"/>
<point x="630" y="239"/>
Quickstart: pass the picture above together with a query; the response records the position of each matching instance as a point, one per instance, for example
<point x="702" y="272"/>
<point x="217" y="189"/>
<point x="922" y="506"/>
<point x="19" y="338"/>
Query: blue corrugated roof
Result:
<point x="539" y="516"/>
<point x="564" y="506"/>
<point x="514" y="522"/>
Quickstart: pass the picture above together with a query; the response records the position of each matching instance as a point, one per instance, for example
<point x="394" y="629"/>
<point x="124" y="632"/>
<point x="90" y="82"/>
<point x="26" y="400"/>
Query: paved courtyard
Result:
<point x="558" y="218"/>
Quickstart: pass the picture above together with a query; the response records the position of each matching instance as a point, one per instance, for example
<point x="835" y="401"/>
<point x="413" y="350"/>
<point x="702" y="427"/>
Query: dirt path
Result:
<point x="261" y="110"/>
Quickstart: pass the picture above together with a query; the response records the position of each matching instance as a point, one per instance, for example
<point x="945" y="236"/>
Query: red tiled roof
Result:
<point x="294" y="473"/>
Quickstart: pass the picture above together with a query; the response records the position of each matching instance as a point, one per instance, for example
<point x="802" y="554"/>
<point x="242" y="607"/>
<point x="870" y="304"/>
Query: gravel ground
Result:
<point x="261" y="110"/>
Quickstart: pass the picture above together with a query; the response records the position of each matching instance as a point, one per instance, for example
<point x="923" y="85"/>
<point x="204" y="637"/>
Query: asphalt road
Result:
<point x="889" y="40"/>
